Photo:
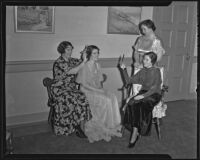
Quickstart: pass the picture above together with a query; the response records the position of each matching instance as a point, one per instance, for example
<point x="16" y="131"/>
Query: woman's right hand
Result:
<point x="138" y="97"/>
<point x="84" y="54"/>
<point x="123" y="66"/>
<point x="121" y="63"/>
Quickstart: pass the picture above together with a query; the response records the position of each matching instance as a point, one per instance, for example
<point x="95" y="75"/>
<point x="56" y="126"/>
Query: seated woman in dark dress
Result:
<point x="138" y="113"/>
<point x="71" y="105"/>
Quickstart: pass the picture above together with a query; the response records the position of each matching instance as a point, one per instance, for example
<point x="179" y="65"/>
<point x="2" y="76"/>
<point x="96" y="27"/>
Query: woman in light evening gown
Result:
<point x="106" y="119"/>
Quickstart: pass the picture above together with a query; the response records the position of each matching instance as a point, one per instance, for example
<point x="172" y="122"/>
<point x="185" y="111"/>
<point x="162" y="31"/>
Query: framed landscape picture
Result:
<point x="124" y="20"/>
<point x="34" y="19"/>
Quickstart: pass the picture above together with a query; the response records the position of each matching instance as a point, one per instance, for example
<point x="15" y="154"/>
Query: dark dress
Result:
<point x="138" y="113"/>
<point x="71" y="105"/>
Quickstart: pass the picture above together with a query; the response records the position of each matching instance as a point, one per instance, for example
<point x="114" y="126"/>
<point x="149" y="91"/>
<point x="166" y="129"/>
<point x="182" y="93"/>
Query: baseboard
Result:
<point x="28" y="124"/>
<point x="29" y="128"/>
<point x="26" y="118"/>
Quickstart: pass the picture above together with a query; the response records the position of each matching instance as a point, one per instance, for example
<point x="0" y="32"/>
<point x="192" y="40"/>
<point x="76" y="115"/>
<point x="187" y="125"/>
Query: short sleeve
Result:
<point x="158" y="49"/>
<point x="60" y="70"/>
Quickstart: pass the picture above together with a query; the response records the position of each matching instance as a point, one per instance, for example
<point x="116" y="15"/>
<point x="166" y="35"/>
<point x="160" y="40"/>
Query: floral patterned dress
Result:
<point x="71" y="105"/>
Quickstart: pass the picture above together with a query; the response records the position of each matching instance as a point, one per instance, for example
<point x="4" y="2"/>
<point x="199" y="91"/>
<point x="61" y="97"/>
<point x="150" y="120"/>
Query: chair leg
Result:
<point x="50" y="118"/>
<point x="122" y="130"/>
<point x="9" y="143"/>
<point x="157" y="125"/>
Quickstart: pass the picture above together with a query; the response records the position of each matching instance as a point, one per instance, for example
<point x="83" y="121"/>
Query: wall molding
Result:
<point x="26" y="118"/>
<point x="29" y="128"/>
<point x="47" y="65"/>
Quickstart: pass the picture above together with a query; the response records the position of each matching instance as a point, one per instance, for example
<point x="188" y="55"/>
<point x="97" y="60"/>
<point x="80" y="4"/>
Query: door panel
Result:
<point x="174" y="25"/>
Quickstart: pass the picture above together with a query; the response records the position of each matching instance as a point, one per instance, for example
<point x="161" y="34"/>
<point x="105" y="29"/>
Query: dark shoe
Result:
<point x="131" y="145"/>
<point x="80" y="133"/>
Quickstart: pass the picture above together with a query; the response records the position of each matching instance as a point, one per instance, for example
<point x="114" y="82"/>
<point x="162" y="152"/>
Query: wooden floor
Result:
<point x="178" y="130"/>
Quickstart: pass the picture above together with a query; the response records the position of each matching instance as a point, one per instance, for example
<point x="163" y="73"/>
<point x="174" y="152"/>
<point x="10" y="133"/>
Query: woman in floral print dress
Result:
<point x="70" y="104"/>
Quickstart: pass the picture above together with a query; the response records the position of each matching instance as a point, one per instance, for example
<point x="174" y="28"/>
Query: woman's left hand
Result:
<point x="138" y="97"/>
<point x="84" y="57"/>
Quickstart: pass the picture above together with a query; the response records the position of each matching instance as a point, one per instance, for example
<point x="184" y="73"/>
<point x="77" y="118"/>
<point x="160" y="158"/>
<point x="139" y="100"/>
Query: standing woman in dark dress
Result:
<point x="138" y="113"/>
<point x="71" y="105"/>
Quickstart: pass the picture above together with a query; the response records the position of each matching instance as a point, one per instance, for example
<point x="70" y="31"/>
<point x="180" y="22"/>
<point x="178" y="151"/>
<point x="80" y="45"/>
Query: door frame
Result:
<point x="193" y="59"/>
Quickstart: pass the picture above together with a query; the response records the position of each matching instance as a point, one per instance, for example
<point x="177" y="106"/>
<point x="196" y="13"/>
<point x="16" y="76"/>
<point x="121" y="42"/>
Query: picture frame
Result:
<point x="124" y="20"/>
<point x="34" y="19"/>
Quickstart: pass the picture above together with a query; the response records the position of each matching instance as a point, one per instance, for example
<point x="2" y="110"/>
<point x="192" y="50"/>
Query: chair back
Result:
<point x="162" y="75"/>
<point x="47" y="82"/>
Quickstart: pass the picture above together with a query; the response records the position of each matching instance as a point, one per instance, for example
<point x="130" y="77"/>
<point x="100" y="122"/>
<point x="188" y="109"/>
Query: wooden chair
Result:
<point x="47" y="82"/>
<point x="159" y="109"/>
<point x="9" y="142"/>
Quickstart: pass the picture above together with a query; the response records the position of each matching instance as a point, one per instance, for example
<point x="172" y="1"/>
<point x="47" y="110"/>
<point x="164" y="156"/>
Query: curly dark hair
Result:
<point x="152" y="56"/>
<point x="63" y="45"/>
<point x="149" y="23"/>
<point x="89" y="50"/>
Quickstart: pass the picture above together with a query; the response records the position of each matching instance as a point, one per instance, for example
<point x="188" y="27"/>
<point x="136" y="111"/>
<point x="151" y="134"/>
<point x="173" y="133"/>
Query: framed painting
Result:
<point x="123" y="20"/>
<point x="34" y="19"/>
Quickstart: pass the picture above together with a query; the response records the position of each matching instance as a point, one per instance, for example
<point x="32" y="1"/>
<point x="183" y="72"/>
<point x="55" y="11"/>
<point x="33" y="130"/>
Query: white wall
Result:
<point x="80" y="25"/>
<point x="26" y="97"/>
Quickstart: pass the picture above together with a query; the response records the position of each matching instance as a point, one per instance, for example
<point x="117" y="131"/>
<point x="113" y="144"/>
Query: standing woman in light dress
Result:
<point x="147" y="42"/>
<point x="106" y="119"/>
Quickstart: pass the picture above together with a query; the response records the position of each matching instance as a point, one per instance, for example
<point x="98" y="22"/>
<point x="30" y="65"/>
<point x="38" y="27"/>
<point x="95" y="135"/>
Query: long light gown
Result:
<point x="106" y="119"/>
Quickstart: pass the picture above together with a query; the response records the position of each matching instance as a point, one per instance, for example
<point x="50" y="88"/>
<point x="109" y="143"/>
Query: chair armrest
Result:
<point x="104" y="79"/>
<point x="47" y="82"/>
<point x="164" y="89"/>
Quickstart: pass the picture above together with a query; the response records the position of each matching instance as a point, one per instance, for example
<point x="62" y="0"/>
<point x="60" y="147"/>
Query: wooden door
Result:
<point x="174" y="25"/>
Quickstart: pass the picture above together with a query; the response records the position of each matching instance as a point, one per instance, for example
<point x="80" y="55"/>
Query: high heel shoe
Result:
<point x="131" y="145"/>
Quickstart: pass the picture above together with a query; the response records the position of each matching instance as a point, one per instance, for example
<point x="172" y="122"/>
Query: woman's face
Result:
<point x="146" y="30"/>
<point x="147" y="61"/>
<point x="68" y="51"/>
<point x="95" y="55"/>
